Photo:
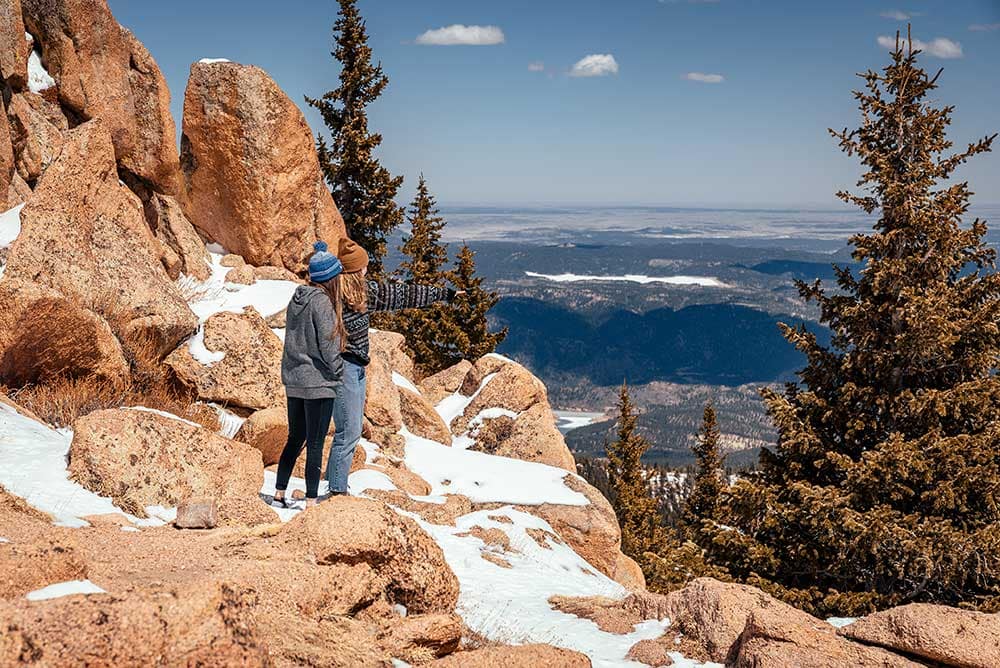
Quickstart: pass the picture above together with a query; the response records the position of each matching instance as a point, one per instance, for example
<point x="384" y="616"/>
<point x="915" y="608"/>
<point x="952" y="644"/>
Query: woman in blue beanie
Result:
<point x="311" y="369"/>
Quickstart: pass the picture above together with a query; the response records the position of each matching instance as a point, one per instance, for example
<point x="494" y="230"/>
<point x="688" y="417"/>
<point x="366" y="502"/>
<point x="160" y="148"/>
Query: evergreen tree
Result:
<point x="425" y="254"/>
<point x="631" y="497"/>
<point x="883" y="486"/>
<point x="702" y="504"/>
<point x="433" y="334"/>
<point x="469" y="310"/>
<point x="362" y="188"/>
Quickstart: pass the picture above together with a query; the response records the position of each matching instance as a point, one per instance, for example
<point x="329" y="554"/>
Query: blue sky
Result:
<point x="485" y="128"/>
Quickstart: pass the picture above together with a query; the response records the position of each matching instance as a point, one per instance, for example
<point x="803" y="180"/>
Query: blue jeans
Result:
<point x="348" y="412"/>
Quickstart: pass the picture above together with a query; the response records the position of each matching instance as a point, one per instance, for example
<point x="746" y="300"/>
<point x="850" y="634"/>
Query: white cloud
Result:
<point x="459" y="34"/>
<point x="704" y="78"/>
<point x="941" y="47"/>
<point x="595" y="65"/>
<point x="536" y="66"/>
<point x="897" y="15"/>
<point x="984" y="27"/>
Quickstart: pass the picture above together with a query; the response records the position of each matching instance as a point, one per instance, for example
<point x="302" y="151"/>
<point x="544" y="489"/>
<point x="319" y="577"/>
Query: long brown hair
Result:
<point x="355" y="290"/>
<point x="334" y="291"/>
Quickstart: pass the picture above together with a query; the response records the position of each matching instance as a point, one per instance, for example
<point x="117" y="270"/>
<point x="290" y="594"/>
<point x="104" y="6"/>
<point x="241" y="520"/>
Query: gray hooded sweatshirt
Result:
<point x="311" y="366"/>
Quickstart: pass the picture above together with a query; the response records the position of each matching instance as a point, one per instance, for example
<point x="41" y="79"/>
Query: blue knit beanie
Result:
<point x="323" y="265"/>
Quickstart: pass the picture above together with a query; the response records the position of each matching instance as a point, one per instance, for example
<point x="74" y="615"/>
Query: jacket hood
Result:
<point x="302" y="296"/>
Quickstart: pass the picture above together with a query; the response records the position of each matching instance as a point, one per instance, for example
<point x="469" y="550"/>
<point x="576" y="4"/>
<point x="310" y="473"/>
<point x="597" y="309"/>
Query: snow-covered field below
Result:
<point x="700" y="281"/>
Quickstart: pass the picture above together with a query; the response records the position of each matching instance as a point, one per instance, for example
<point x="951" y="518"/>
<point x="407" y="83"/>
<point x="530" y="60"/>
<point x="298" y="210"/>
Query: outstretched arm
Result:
<point x="388" y="296"/>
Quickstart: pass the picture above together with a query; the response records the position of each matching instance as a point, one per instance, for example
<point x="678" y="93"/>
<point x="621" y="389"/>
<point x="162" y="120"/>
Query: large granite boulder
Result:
<point x="252" y="178"/>
<point x="141" y="458"/>
<point x="83" y="234"/>
<point x="102" y="71"/>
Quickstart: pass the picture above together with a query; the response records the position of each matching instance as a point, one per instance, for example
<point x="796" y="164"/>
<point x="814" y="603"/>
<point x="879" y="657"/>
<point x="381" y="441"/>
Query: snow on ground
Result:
<point x="468" y="439"/>
<point x="229" y="422"/>
<point x="451" y="407"/>
<point x="38" y="77"/>
<point x="209" y="61"/>
<point x="4" y="540"/>
<point x="201" y="354"/>
<point x="35" y="469"/>
<point x="701" y="281"/>
<point x="487" y="478"/>
<point x="841" y="622"/>
<point x="567" y="421"/>
<point x="165" y="414"/>
<point x="511" y="604"/>
<point x="216" y="295"/>
<point x="402" y="381"/>
<point x="10" y="225"/>
<point x="64" y="589"/>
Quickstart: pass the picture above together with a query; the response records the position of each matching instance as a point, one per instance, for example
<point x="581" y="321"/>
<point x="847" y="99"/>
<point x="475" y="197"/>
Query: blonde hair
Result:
<point x="355" y="291"/>
<point x="334" y="291"/>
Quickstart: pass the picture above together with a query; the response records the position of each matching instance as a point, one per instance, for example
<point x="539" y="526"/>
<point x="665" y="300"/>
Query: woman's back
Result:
<point x="311" y="366"/>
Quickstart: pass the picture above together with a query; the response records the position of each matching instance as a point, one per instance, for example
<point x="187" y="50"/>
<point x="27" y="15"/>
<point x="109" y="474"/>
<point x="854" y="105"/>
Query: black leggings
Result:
<point x="308" y="423"/>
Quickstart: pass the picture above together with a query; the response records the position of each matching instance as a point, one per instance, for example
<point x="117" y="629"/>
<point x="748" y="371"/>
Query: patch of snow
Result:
<point x="498" y="356"/>
<point x="10" y="225"/>
<point x="164" y="414"/>
<point x="64" y="589"/>
<point x="402" y="381"/>
<point x="279" y="332"/>
<point x="841" y="622"/>
<point x="229" y="422"/>
<point x="451" y="407"/>
<point x="38" y="77"/>
<point x="200" y="353"/>
<point x="399" y="663"/>
<point x="268" y="297"/>
<point x="487" y="478"/>
<point x="35" y="469"/>
<point x="567" y="421"/>
<point x="4" y="540"/>
<point x="294" y="483"/>
<point x="209" y="61"/>
<point x="468" y="439"/>
<point x="216" y="249"/>
<point x="400" y="609"/>
<point x="511" y="604"/>
<point x="700" y="281"/>
<point x="365" y="479"/>
<point x="130" y="529"/>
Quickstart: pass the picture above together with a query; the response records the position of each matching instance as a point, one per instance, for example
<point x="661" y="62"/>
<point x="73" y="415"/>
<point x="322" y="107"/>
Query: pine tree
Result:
<point x="362" y="188"/>
<point x="884" y="485"/>
<point x="631" y="496"/>
<point x="469" y="310"/>
<point x="425" y="254"/>
<point x="433" y="334"/>
<point x="703" y="502"/>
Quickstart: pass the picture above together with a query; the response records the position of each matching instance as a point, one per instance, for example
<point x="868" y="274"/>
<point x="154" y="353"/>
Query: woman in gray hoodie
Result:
<point x="311" y="369"/>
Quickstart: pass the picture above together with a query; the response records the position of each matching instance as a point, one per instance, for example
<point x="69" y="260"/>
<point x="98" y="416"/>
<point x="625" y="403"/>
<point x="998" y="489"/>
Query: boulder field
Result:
<point x="130" y="535"/>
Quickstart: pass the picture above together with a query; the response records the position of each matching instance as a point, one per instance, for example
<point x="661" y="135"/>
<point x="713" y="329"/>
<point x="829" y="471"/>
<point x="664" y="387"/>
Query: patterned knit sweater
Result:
<point x="385" y="296"/>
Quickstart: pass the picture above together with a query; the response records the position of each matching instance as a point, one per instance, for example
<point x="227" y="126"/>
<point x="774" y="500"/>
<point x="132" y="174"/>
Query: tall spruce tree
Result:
<point x="470" y="309"/>
<point x="631" y="496"/>
<point x="703" y="501"/>
<point x="433" y="334"/>
<point x="362" y="188"/>
<point x="425" y="255"/>
<point x="884" y="485"/>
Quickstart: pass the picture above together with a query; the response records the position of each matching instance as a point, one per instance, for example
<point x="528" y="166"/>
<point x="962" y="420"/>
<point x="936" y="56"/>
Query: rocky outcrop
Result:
<point x="27" y="567"/>
<point x="140" y="458"/>
<point x="43" y="334"/>
<point x="628" y="573"/>
<point x="783" y="637"/>
<point x="84" y="235"/>
<point x="949" y="636"/>
<point x="173" y="229"/>
<point x="205" y="626"/>
<point x="13" y="46"/>
<point x="267" y="431"/>
<point x="250" y="169"/>
<point x="383" y="407"/>
<point x="36" y="137"/>
<point x="249" y="371"/>
<point x="420" y="417"/>
<point x="390" y="347"/>
<point x="7" y="170"/>
<point x="531" y="436"/>
<point x="348" y="530"/>
<point x="524" y="656"/>
<point x="102" y="71"/>
<point x="417" y="638"/>
<point x="445" y="383"/>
